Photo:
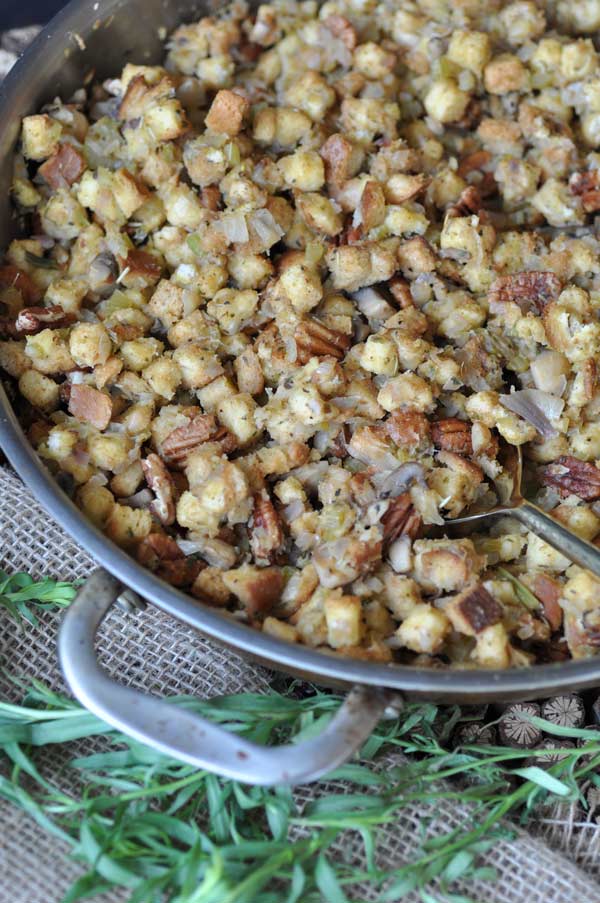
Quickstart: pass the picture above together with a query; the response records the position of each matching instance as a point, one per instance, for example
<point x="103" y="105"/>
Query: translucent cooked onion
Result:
<point x="266" y="227"/>
<point x="141" y="499"/>
<point x="399" y="555"/>
<point x="234" y="228"/>
<point x="549" y="371"/>
<point x="536" y="407"/>
<point x="372" y="304"/>
<point x="400" y="479"/>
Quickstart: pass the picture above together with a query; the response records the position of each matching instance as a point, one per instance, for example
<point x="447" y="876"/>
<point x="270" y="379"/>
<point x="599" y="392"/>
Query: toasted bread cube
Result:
<point x="209" y="585"/>
<point x="302" y="284"/>
<point x="166" y="120"/>
<point x="89" y="344"/>
<point x="96" y="502"/>
<point x="48" y="352"/>
<point x="215" y="392"/>
<point x="40" y="136"/>
<point x="303" y="170"/>
<point x="194" y="515"/>
<point x="505" y="73"/>
<point x="109" y="451"/>
<point x="258" y="589"/>
<point x="492" y="649"/>
<point x="39" y="390"/>
<point x="445" y="565"/>
<point x="139" y="353"/>
<point x="541" y="555"/>
<point x="401" y="594"/>
<point x="343" y="616"/>
<point x="470" y="50"/>
<point x="445" y="101"/>
<point x="198" y="366"/>
<point x="13" y="358"/>
<point x="227" y="111"/>
<point x="472" y="610"/>
<point x="406" y="390"/>
<point x="163" y="376"/>
<point x="128" y="481"/>
<point x="237" y="414"/>
<point x="233" y="309"/>
<point x="379" y="356"/>
<point x="280" y="629"/>
<point x="129" y="193"/>
<point x="127" y="526"/>
<point x="424" y="630"/>
<point x="167" y="303"/>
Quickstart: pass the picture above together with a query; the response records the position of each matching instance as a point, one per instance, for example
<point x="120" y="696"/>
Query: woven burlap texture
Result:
<point x="556" y="861"/>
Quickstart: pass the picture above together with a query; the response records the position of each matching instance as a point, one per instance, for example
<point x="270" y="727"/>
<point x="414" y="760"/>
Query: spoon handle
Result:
<point x="558" y="536"/>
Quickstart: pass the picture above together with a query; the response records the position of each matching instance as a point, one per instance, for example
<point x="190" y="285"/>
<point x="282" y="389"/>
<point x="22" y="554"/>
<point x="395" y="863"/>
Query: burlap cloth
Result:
<point x="556" y="861"/>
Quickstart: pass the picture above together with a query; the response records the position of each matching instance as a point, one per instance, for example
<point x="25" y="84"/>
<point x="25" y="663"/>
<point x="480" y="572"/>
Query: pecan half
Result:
<point x="266" y="535"/>
<point x="571" y="476"/>
<point x="185" y="439"/>
<point x="140" y="263"/>
<point x="337" y="152"/>
<point x="585" y="184"/>
<point x="473" y="610"/>
<point x="468" y="203"/>
<point x="536" y="289"/>
<point x="313" y="339"/>
<point x="400" y="291"/>
<point x="63" y="168"/>
<point x="341" y="28"/>
<point x="13" y="277"/>
<point x="400" y="519"/>
<point x="548" y="590"/>
<point x="407" y="428"/>
<point x="226" y="440"/>
<point x="90" y="405"/>
<point x="452" y="435"/>
<point x="34" y="319"/>
<point x="160" y="482"/>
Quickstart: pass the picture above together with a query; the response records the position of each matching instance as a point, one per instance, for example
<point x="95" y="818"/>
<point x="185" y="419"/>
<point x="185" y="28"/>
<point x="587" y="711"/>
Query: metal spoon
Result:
<point x="534" y="518"/>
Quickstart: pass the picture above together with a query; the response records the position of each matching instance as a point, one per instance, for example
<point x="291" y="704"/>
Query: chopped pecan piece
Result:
<point x="210" y="197"/>
<point x="266" y="535"/>
<point x="548" y="590"/>
<point x="313" y="339"/>
<point x="475" y="161"/>
<point x="407" y="428"/>
<point x="258" y="589"/>
<point x="585" y="184"/>
<point x="452" y="435"/>
<point x="571" y="476"/>
<point x="33" y="319"/>
<point x="371" y="206"/>
<point x="226" y="440"/>
<point x="468" y="203"/>
<point x="12" y="277"/>
<point x="140" y="263"/>
<point x="400" y="519"/>
<point x="400" y="290"/>
<point x="337" y="152"/>
<point x="160" y="482"/>
<point x="341" y="28"/>
<point x="63" y="168"/>
<point x="536" y="288"/>
<point x="185" y="439"/>
<point x="473" y="610"/>
<point x="90" y="405"/>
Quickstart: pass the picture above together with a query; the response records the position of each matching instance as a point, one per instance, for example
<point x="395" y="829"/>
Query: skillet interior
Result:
<point x="114" y="31"/>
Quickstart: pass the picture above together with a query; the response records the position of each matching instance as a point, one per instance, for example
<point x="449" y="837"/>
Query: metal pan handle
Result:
<point x="185" y="735"/>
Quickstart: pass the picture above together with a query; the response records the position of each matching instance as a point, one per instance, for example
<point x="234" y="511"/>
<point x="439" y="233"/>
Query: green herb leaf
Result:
<point x="524" y="595"/>
<point x="16" y="590"/>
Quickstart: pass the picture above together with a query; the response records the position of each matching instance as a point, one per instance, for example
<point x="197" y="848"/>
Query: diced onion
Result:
<point x="141" y="499"/>
<point x="549" y="371"/>
<point x="400" y="554"/>
<point x="234" y="227"/>
<point x="536" y="407"/>
<point x="372" y="304"/>
<point x="266" y="227"/>
<point x="399" y="480"/>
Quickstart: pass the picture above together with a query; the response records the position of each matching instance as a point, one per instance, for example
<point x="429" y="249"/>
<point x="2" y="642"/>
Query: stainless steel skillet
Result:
<point x="112" y="32"/>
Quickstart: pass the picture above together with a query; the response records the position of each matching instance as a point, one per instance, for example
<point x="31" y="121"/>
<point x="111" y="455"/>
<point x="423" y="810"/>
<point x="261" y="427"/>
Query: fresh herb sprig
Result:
<point x="165" y="830"/>
<point x="18" y="592"/>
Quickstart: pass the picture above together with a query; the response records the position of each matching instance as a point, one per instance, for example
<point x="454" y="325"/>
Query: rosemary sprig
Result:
<point x="19" y="591"/>
<point x="162" y="829"/>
